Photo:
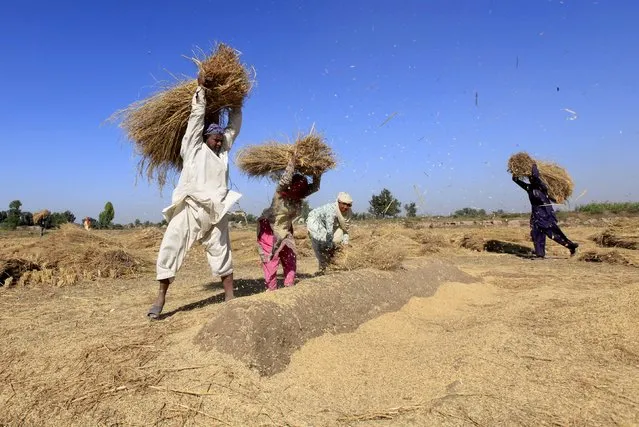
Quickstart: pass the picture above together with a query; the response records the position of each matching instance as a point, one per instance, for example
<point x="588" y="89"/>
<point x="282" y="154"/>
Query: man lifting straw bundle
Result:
<point x="169" y="135"/>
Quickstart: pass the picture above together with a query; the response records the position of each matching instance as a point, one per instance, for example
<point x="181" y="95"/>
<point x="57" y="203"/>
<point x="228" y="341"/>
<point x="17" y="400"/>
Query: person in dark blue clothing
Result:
<point x="543" y="221"/>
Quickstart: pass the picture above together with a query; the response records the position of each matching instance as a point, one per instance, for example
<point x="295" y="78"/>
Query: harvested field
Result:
<point x="451" y="336"/>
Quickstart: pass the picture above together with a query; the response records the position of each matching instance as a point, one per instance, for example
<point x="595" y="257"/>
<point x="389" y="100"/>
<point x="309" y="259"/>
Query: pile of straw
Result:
<point x="312" y="157"/>
<point x="613" y="238"/>
<point x="560" y="185"/>
<point x="68" y="256"/>
<point x="383" y="249"/>
<point x="146" y="238"/>
<point x="40" y="215"/>
<point x="13" y="268"/>
<point x="610" y="257"/>
<point x="371" y="254"/>
<point x="157" y="124"/>
<point x="472" y="242"/>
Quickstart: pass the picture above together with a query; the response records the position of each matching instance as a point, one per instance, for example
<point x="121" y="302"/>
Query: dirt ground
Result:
<point x="468" y="331"/>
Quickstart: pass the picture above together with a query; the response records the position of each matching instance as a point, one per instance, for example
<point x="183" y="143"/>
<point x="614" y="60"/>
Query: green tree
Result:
<point x="13" y="216"/>
<point x="106" y="216"/>
<point x="69" y="216"/>
<point x="384" y="204"/>
<point x="14" y="207"/>
<point x="57" y="219"/>
<point x="26" y="218"/>
<point x="360" y="216"/>
<point x="469" y="213"/>
<point x="411" y="210"/>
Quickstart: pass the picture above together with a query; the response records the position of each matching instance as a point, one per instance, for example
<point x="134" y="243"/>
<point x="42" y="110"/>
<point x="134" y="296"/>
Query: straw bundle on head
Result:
<point x="560" y="185"/>
<point x="157" y="124"/>
<point x="40" y="215"/>
<point x="313" y="157"/>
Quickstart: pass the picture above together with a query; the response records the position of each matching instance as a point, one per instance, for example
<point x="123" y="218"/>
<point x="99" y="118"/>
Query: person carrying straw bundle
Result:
<point x="156" y="125"/>
<point x="275" y="240"/>
<point x="42" y="219"/>
<point x="201" y="200"/>
<point x="543" y="221"/>
<point x="557" y="180"/>
<point x="327" y="227"/>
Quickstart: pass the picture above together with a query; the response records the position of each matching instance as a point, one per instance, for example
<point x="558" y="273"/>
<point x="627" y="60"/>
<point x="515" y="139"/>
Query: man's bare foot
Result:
<point x="155" y="310"/>
<point x="158" y="305"/>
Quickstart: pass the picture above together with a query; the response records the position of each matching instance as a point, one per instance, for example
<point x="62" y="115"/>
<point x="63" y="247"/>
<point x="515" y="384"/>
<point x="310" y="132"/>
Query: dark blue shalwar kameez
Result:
<point x="543" y="221"/>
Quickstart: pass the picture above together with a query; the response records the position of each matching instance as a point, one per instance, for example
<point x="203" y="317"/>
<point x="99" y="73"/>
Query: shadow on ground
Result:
<point x="499" y="246"/>
<point x="242" y="288"/>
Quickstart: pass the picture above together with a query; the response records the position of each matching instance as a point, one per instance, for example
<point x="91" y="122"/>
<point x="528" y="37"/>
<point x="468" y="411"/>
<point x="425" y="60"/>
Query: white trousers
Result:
<point x="182" y="232"/>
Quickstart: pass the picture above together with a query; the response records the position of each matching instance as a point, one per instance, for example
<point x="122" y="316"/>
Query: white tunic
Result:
<point x="204" y="177"/>
<point x="201" y="198"/>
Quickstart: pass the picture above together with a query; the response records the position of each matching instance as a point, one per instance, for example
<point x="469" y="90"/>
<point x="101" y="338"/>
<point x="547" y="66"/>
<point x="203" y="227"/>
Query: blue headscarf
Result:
<point x="214" y="129"/>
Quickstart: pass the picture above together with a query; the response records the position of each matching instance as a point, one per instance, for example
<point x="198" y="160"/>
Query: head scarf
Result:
<point x="214" y="129"/>
<point x="341" y="219"/>
<point x="345" y="198"/>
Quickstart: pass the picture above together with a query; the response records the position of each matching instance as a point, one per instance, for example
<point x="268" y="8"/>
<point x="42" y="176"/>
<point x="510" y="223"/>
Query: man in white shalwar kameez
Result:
<point x="200" y="201"/>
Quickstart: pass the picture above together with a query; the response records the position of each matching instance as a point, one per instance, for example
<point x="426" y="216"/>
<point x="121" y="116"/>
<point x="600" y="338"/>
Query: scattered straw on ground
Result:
<point x="524" y="346"/>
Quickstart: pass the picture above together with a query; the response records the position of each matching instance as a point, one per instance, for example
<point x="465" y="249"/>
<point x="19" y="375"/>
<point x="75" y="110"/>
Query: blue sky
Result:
<point x="346" y="66"/>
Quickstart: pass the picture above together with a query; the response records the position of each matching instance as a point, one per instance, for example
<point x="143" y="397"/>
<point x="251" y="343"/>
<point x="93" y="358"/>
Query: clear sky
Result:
<point x="464" y="83"/>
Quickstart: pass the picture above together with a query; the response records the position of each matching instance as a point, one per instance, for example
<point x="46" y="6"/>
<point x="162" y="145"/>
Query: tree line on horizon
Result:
<point x="381" y="206"/>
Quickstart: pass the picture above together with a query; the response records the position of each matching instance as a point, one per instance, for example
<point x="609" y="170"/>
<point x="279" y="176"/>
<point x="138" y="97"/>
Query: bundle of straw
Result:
<point x="40" y="215"/>
<point x="312" y="157"/>
<point x="370" y="254"/>
<point x="559" y="182"/>
<point x="157" y="124"/>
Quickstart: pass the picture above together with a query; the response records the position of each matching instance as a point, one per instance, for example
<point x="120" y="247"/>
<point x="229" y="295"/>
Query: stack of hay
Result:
<point x="372" y="250"/>
<point x="370" y="254"/>
<point x="41" y="216"/>
<point x="157" y="124"/>
<point x="560" y="185"/>
<point x="312" y="157"/>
